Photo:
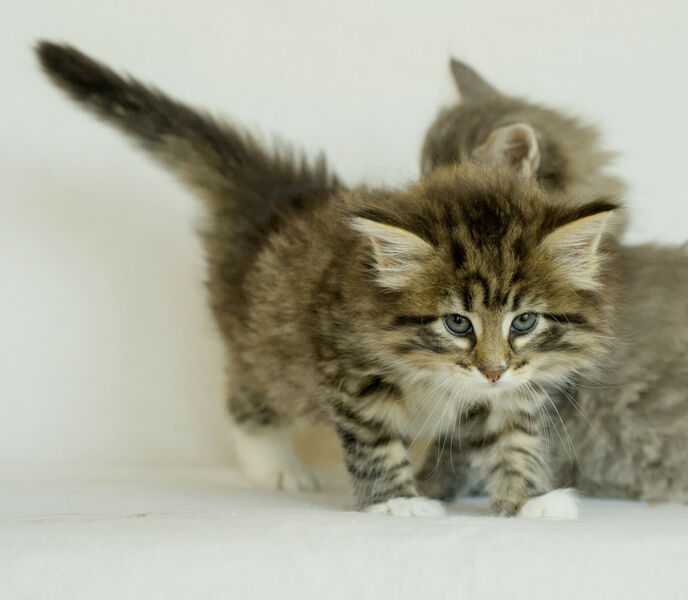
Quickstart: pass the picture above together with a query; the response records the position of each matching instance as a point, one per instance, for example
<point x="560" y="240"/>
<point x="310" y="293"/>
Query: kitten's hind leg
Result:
<point x="265" y="449"/>
<point x="267" y="458"/>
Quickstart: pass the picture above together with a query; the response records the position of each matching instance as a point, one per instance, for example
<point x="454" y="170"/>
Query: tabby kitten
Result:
<point x="387" y="314"/>
<point x="491" y="128"/>
<point x="622" y="431"/>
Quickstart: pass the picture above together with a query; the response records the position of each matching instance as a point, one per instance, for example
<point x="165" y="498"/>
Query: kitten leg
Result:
<point x="511" y="458"/>
<point x="267" y="458"/>
<point x="379" y="466"/>
<point x="264" y="445"/>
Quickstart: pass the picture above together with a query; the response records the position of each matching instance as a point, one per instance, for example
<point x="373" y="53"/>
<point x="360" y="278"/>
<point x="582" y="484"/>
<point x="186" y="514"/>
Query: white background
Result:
<point x="108" y="354"/>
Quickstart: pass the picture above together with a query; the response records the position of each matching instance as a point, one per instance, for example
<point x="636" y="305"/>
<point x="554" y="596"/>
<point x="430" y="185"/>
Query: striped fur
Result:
<point x="565" y="155"/>
<point x="333" y="303"/>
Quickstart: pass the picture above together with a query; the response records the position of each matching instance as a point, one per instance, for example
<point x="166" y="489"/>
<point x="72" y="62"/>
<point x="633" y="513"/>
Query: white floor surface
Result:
<point x="195" y="534"/>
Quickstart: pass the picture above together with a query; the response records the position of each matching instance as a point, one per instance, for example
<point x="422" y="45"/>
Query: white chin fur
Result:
<point x="557" y="504"/>
<point x="407" y="507"/>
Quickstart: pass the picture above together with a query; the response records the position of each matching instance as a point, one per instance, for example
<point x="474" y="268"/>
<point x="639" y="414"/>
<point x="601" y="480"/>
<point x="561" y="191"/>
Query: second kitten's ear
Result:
<point x="471" y="86"/>
<point x="398" y="253"/>
<point x="515" y="146"/>
<point x="575" y="245"/>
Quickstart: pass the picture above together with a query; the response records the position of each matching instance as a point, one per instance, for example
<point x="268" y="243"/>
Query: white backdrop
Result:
<point x="107" y="351"/>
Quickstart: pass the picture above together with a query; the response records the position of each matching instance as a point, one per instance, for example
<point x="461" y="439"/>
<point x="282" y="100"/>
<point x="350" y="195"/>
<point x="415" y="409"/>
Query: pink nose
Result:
<point x="492" y="374"/>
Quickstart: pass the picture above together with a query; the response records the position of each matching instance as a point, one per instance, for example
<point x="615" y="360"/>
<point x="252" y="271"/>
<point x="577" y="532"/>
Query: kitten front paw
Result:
<point x="557" y="504"/>
<point x="407" y="507"/>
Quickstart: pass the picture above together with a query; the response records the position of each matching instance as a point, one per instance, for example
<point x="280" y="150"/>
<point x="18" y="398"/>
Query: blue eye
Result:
<point x="524" y="323"/>
<point x="457" y="324"/>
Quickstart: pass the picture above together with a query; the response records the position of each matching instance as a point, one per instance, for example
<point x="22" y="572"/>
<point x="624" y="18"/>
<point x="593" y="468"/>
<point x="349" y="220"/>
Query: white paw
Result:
<point x="267" y="459"/>
<point x="289" y="478"/>
<point x="407" y="507"/>
<point x="557" y="504"/>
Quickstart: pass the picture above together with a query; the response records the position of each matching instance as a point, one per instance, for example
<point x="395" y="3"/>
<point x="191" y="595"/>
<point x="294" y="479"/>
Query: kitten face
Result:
<point x="494" y="288"/>
<point x="559" y="342"/>
<point x="493" y="356"/>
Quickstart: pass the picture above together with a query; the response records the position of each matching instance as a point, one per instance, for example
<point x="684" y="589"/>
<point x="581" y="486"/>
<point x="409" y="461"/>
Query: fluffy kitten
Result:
<point x="622" y="432"/>
<point x="387" y="314"/>
<point x="490" y="128"/>
<point x="629" y="424"/>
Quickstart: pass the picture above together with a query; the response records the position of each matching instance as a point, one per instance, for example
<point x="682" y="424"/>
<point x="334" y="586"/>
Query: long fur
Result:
<point x="333" y="304"/>
<point x="622" y="430"/>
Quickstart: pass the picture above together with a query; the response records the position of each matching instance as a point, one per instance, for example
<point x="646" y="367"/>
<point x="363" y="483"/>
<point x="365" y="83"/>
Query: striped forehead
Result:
<point x="478" y="290"/>
<point x="488" y="271"/>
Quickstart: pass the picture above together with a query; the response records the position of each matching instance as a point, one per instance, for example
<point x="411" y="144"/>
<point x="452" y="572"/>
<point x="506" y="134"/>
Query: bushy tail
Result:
<point x="237" y="178"/>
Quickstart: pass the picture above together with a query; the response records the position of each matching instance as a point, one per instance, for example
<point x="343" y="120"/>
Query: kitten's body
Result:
<point x="338" y="304"/>
<point x="623" y="431"/>
<point x="630" y="426"/>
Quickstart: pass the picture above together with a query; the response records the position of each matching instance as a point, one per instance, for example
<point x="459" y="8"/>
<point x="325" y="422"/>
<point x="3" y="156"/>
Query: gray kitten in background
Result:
<point x="623" y="432"/>
<point x="488" y="127"/>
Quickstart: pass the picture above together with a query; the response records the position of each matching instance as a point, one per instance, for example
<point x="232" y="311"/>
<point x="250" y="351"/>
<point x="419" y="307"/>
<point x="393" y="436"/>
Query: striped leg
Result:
<point x="263" y="444"/>
<point x="511" y="458"/>
<point x="379" y="466"/>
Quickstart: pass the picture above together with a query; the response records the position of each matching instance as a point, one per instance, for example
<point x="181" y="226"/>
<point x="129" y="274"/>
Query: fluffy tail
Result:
<point x="236" y="177"/>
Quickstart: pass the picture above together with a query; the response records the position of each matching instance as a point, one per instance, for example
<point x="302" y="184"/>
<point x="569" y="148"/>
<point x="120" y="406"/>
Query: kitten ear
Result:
<point x="398" y="253"/>
<point x="574" y="245"/>
<point x="515" y="146"/>
<point x="471" y="86"/>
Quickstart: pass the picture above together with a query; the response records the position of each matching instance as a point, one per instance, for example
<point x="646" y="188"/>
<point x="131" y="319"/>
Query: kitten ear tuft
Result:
<point x="398" y="253"/>
<point x="574" y="245"/>
<point x="515" y="146"/>
<point x="471" y="86"/>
